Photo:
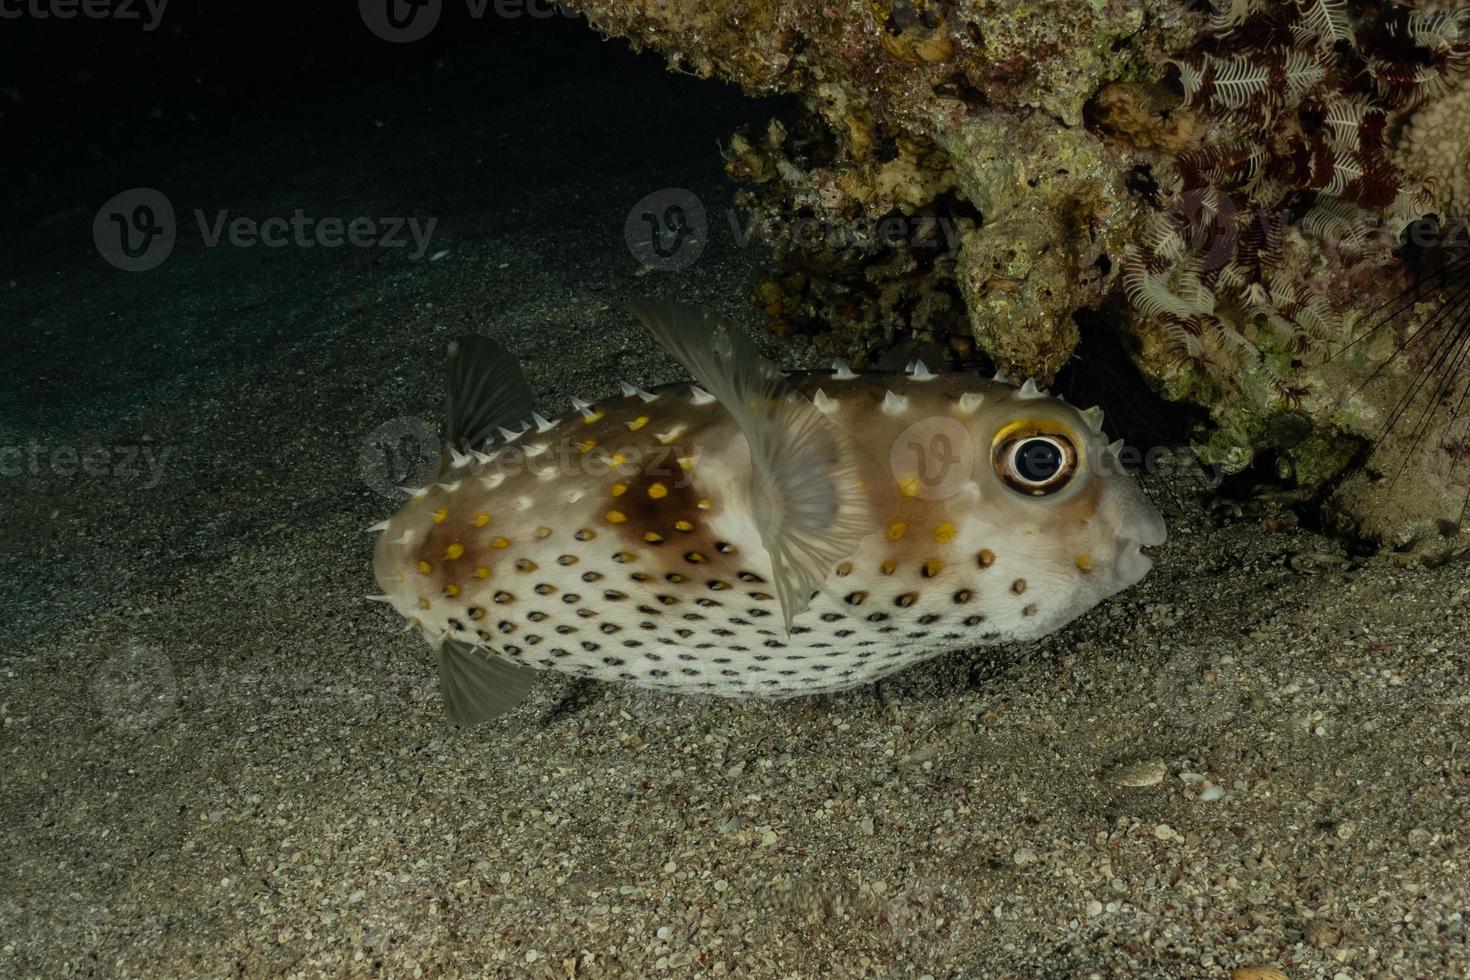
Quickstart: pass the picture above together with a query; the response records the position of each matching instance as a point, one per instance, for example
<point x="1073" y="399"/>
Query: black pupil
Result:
<point x="1038" y="461"/>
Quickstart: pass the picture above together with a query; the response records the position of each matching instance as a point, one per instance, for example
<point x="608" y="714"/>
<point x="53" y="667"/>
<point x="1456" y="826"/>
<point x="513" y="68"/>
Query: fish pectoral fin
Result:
<point x="806" y="472"/>
<point x="477" y="687"/>
<point x="486" y="391"/>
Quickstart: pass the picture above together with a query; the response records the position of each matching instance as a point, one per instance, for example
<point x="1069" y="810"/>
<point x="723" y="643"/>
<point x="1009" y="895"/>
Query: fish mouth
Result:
<point x="1133" y="562"/>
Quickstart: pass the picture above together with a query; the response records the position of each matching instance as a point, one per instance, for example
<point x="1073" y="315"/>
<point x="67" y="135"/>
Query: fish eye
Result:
<point x="1037" y="464"/>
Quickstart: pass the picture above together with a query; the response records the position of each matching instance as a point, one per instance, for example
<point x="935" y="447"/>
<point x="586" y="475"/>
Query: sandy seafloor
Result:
<point x="218" y="760"/>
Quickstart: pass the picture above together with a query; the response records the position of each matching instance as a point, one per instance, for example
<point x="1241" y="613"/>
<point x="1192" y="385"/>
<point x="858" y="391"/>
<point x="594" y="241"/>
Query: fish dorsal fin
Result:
<point x="476" y="686"/>
<point x="486" y="391"/>
<point x="806" y="474"/>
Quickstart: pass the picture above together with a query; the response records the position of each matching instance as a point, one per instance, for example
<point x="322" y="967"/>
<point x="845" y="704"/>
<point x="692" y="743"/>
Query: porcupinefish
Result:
<point x="751" y="534"/>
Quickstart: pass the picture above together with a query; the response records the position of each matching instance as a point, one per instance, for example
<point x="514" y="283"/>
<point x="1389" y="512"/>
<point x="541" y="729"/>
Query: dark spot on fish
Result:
<point x="974" y="620"/>
<point x="855" y="598"/>
<point x="906" y="600"/>
<point x="613" y="595"/>
<point x="566" y="560"/>
<point x="591" y="576"/>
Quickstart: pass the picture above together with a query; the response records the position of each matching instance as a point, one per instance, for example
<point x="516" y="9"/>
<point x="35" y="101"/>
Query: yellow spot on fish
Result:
<point x="451" y="590"/>
<point x="986" y="558"/>
<point x="440" y="514"/>
<point x="897" y="530"/>
<point x="585" y="534"/>
<point x="684" y="525"/>
<point x="944" y="533"/>
<point x="618" y="489"/>
<point x="658" y="491"/>
<point x="1084" y="563"/>
<point x="888" y="567"/>
<point x="639" y="422"/>
<point x="653" y="537"/>
<point x="477" y="612"/>
<point x="481" y="520"/>
<point x="424" y="603"/>
<point x="933" y="567"/>
<point x="482" y="573"/>
<point x="616" y="460"/>
<point x="525" y="565"/>
<point x="500" y="542"/>
<point x="454" y="551"/>
<point x="587" y="445"/>
<point x="687" y="462"/>
<point x="845" y="568"/>
<point x="1018" y="586"/>
<point x="705" y="503"/>
<point x="543" y="531"/>
<point x="592" y="416"/>
<point x="695" y="557"/>
<point x="616" y="517"/>
<point x="910" y="486"/>
<point x="425" y="568"/>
